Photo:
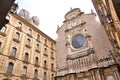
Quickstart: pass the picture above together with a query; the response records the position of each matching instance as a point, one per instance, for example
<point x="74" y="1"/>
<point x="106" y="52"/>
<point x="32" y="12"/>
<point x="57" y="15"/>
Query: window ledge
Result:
<point x="52" y="49"/>
<point x="16" y="40"/>
<point x="37" y="51"/>
<point x="8" y="74"/>
<point x="38" y="40"/>
<point x="2" y="33"/>
<point x="12" y="57"/>
<point x="28" y="46"/>
<point x="36" y="79"/>
<point x="24" y="77"/>
<point x="26" y="62"/>
<point x="45" y="54"/>
<point x="29" y="35"/>
<point x="36" y="65"/>
<point x="18" y="28"/>
<point x="45" y="68"/>
<point x="52" y="58"/>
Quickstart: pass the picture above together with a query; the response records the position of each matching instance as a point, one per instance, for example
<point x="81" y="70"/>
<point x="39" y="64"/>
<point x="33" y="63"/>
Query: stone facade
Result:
<point x="109" y="15"/>
<point x="94" y="58"/>
<point x="25" y="50"/>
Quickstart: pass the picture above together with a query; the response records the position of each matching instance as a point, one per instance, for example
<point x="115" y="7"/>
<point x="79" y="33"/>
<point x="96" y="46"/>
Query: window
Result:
<point x="52" y="56"/>
<point x="26" y="57"/>
<point x="19" y="24"/>
<point x="13" y="52"/>
<point x="45" y="51"/>
<point x="17" y="36"/>
<point x="38" y="37"/>
<point x="28" y="42"/>
<point x="37" y="47"/>
<point x="10" y="68"/>
<point x="3" y="29"/>
<point x="45" y="76"/>
<point x="36" y="73"/>
<point x="45" y="41"/>
<point x="52" y="77"/>
<point x="51" y="46"/>
<point x="24" y="71"/>
<point x="8" y="17"/>
<point x="52" y="66"/>
<point x="36" y="60"/>
<point x="0" y="44"/>
<point x="45" y="64"/>
<point x="30" y="31"/>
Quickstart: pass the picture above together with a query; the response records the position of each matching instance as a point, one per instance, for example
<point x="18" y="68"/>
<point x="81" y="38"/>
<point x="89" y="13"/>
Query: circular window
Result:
<point x="78" y="41"/>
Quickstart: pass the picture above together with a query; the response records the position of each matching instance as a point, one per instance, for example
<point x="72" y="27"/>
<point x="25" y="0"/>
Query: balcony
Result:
<point x="37" y="50"/>
<point x="52" y="57"/>
<point x="26" y="62"/>
<point x="8" y="74"/>
<point x="28" y="46"/>
<point x="45" y="54"/>
<point x="12" y="57"/>
<point x="16" y="40"/>
<point x="36" y="65"/>
<point x="29" y="35"/>
<point x="38" y="40"/>
<point x="45" y="67"/>
<point x="2" y="33"/>
<point x="36" y="78"/>
<point x="19" y="28"/>
<point x="23" y="76"/>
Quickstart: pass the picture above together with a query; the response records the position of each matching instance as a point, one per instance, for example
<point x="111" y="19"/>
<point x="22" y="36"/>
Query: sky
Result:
<point x="51" y="12"/>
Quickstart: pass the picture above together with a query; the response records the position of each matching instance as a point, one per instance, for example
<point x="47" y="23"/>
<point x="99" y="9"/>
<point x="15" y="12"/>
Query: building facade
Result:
<point x="83" y="49"/>
<point x="109" y="15"/>
<point x="26" y="53"/>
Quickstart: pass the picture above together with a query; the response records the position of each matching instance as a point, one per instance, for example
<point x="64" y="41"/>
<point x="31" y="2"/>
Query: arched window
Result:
<point x="45" y="64"/>
<point x="17" y="36"/>
<point x="30" y="31"/>
<point x="52" y="76"/>
<point x="3" y="29"/>
<point x="45" y="76"/>
<point x="13" y="52"/>
<point x="37" y="47"/>
<point x="51" y="45"/>
<point x="0" y="44"/>
<point x="36" y="73"/>
<point x="10" y="68"/>
<point x="19" y="24"/>
<point x="38" y="37"/>
<point x="52" y="66"/>
<point x="24" y="71"/>
<point x="36" y="60"/>
<point x="28" y="41"/>
<point x="45" y="42"/>
<point x="52" y="55"/>
<point x="8" y="17"/>
<point x="45" y="51"/>
<point x="26" y="57"/>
